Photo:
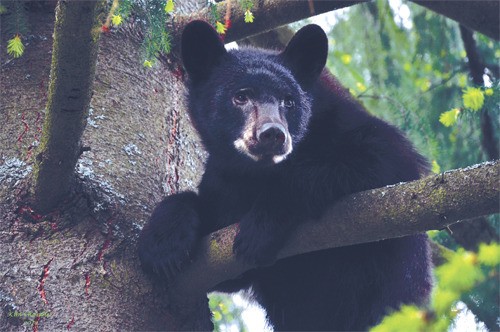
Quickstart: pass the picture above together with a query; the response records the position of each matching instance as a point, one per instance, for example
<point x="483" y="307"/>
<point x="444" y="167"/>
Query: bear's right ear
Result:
<point x="201" y="49"/>
<point x="306" y="54"/>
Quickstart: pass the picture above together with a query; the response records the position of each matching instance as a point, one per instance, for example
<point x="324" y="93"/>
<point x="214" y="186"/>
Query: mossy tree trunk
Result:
<point x="74" y="54"/>
<point x="77" y="267"/>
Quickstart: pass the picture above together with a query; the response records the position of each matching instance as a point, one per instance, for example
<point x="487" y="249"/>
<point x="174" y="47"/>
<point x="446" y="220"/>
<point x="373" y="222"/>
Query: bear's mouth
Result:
<point x="258" y="152"/>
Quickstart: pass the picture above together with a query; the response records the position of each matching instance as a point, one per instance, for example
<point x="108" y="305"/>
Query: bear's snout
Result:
<point x="271" y="138"/>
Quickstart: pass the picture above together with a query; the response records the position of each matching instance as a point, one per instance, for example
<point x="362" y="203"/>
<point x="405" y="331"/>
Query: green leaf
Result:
<point x="216" y="315"/>
<point x="449" y="118"/>
<point x="489" y="254"/>
<point x="443" y="299"/>
<point x="220" y="28"/>
<point x="346" y="58"/>
<point x="408" y="319"/>
<point x="461" y="273"/>
<point x="473" y="98"/>
<point x="361" y="87"/>
<point x="462" y="80"/>
<point x="435" y="167"/>
<point x="116" y="20"/>
<point x="148" y="63"/>
<point x="15" y="47"/>
<point x="169" y="6"/>
<point x="248" y="16"/>
<point x="3" y="10"/>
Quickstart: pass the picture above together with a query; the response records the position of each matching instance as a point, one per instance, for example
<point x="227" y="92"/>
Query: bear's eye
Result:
<point x="241" y="97"/>
<point x="288" y="102"/>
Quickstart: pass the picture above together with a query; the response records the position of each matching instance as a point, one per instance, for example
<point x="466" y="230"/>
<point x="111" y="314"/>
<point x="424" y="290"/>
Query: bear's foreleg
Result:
<point x="170" y="236"/>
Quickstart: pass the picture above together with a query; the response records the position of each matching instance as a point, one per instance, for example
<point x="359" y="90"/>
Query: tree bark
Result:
<point x="480" y="16"/>
<point x="74" y="54"/>
<point x="434" y="202"/>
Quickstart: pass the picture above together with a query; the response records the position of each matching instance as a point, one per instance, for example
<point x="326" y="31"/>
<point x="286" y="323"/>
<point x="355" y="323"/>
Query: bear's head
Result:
<point x="251" y="105"/>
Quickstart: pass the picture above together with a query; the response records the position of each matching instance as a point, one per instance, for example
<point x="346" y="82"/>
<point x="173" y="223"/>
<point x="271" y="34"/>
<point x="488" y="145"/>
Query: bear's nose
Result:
<point x="271" y="138"/>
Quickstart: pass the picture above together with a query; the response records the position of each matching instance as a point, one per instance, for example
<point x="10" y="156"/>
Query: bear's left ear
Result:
<point x="306" y="54"/>
<point x="201" y="49"/>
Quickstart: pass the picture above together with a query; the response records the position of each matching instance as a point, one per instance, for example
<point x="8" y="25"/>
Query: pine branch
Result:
<point x="434" y="202"/>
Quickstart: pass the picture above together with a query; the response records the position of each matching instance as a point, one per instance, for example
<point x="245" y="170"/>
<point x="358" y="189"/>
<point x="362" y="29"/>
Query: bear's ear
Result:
<point x="306" y="54"/>
<point x="201" y="49"/>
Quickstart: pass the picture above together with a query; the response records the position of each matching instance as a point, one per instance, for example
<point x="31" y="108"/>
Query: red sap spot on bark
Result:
<point x="35" y="323"/>
<point x="28" y="212"/>
<point x="71" y="323"/>
<point x="107" y="243"/>
<point x="105" y="246"/>
<point x="26" y="128"/>
<point x="43" y="277"/>
<point x="178" y="73"/>
<point x="87" y="283"/>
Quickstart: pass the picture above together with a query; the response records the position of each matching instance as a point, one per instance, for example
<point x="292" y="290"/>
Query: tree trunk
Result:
<point x="77" y="267"/>
<point x="76" y="36"/>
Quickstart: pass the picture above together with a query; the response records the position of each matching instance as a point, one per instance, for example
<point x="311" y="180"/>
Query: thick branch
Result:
<point x="76" y="34"/>
<point x="394" y="211"/>
<point x="480" y="16"/>
<point x="269" y="14"/>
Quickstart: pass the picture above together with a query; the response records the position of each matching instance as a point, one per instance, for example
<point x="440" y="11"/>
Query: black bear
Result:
<point x="286" y="140"/>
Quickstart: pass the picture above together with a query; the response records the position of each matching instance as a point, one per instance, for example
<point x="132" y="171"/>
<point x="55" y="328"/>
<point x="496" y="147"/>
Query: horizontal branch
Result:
<point x="269" y="14"/>
<point x="481" y="16"/>
<point x="394" y="211"/>
<point x="477" y="15"/>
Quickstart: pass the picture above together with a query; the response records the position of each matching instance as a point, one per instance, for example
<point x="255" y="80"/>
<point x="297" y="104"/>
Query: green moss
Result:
<point x="216" y="252"/>
<point x="219" y="251"/>
<point x="438" y="196"/>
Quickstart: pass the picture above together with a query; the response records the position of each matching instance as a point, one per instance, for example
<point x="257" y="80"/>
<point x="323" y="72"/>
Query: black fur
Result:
<point x="335" y="148"/>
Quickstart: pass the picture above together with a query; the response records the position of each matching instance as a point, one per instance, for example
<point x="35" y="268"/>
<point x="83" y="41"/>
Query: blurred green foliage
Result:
<point x="409" y="70"/>
<point x="462" y="272"/>
<point x="226" y="314"/>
